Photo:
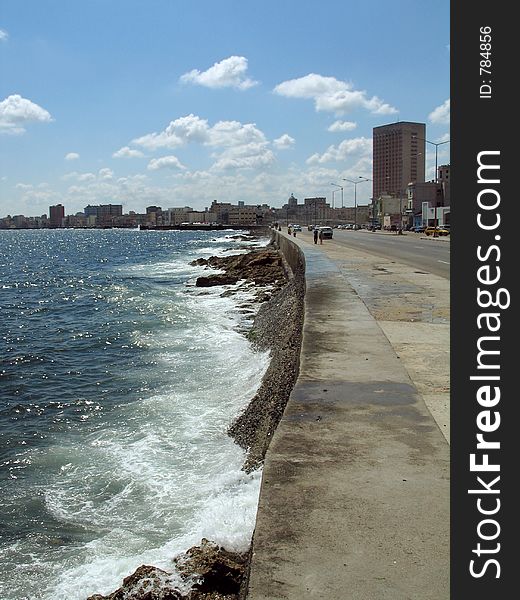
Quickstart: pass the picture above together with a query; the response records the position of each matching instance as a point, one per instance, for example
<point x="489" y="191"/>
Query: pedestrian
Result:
<point x="315" y="235"/>
<point x="289" y="230"/>
<point x="320" y="235"/>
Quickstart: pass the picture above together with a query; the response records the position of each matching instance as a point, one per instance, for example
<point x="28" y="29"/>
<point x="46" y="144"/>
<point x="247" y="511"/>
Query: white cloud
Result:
<point x="243" y="145"/>
<point x="441" y="114"/>
<point x="106" y="173"/>
<point x="79" y="176"/>
<point x="342" y="126"/>
<point x="3" y="35"/>
<point x="86" y="177"/>
<point x="245" y="156"/>
<point x="71" y="156"/>
<point x="283" y="142"/>
<point x="16" y="112"/>
<point x="165" y="162"/>
<point x="354" y="147"/>
<point x="332" y="95"/>
<point x="230" y="72"/>
<point x="311" y="86"/>
<point x="185" y="129"/>
<point x="126" y="152"/>
<point x="234" y="133"/>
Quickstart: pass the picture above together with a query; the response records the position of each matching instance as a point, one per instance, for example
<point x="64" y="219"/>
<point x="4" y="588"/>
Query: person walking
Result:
<point x="320" y="235"/>
<point x="315" y="235"/>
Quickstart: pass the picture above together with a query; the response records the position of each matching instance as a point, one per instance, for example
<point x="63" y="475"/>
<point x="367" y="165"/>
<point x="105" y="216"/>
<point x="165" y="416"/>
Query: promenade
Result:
<point x="354" y="502"/>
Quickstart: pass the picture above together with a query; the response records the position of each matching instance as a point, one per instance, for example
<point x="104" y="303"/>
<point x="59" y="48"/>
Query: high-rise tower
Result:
<point x="56" y="214"/>
<point x="399" y="156"/>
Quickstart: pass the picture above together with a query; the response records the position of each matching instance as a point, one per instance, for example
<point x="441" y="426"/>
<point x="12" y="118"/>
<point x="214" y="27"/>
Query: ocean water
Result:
<point x="118" y="380"/>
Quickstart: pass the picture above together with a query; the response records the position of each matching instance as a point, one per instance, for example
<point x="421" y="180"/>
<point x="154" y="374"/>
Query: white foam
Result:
<point x="160" y="473"/>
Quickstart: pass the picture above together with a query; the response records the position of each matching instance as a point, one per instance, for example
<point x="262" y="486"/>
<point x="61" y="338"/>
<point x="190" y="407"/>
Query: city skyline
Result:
<point x="138" y="104"/>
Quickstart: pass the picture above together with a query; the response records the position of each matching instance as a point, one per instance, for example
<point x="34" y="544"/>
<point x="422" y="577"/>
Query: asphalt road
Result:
<point x="414" y="249"/>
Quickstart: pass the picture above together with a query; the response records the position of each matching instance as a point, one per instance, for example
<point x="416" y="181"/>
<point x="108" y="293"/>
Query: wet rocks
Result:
<point x="216" y="570"/>
<point x="262" y="267"/>
<point x="216" y="573"/>
<point x="145" y="583"/>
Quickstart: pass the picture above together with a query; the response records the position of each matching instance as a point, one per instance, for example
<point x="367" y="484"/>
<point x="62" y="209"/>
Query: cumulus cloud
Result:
<point x="441" y="114"/>
<point x="242" y="145"/>
<point x="230" y="72"/>
<point x="71" y="156"/>
<point x="342" y="126"/>
<point x="3" y="35"/>
<point x="16" y="112"/>
<point x="283" y="142"/>
<point x="332" y="95"/>
<point x="106" y="173"/>
<point x="181" y="131"/>
<point x="246" y="156"/>
<point x="165" y="162"/>
<point x="126" y="152"/>
<point x="354" y="147"/>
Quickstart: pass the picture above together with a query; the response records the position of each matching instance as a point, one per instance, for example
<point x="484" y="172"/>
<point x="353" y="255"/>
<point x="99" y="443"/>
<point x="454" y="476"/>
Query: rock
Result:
<point x="146" y="583"/>
<point x="217" y="570"/>
<point x="262" y="267"/>
<point x="218" y="575"/>
<point x="212" y="280"/>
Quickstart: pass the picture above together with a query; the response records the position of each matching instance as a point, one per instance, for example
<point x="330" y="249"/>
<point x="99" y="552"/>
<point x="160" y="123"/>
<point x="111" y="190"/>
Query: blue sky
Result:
<point x="179" y="103"/>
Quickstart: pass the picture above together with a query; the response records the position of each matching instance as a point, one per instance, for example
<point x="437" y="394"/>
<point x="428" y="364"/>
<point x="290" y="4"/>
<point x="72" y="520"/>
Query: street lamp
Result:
<point x="436" y="144"/>
<point x="341" y="188"/>
<point x="361" y="180"/>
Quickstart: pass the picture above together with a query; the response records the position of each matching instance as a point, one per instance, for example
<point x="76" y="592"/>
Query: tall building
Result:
<point x="56" y="214"/>
<point x="399" y="151"/>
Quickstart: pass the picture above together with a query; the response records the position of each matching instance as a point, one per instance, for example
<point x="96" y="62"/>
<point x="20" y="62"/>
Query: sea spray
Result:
<point x="119" y="381"/>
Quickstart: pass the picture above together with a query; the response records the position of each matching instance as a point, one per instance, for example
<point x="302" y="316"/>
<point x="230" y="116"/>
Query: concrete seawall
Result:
<point x="355" y="490"/>
<point x="290" y="250"/>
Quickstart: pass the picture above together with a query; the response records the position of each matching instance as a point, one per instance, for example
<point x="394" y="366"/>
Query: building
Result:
<point x="418" y="194"/>
<point x="443" y="177"/>
<point x="102" y="214"/>
<point x="399" y="152"/>
<point x="56" y="215"/>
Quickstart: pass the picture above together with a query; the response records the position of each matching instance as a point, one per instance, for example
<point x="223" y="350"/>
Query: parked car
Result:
<point x="327" y="232"/>
<point x="296" y="227"/>
<point x="418" y="228"/>
<point x="436" y="231"/>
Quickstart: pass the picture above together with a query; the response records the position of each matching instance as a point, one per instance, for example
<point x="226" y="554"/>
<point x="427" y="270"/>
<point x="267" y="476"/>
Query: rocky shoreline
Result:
<point x="214" y="572"/>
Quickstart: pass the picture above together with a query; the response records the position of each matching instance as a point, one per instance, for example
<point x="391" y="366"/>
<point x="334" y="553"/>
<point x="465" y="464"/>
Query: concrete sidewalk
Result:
<point x="354" y="502"/>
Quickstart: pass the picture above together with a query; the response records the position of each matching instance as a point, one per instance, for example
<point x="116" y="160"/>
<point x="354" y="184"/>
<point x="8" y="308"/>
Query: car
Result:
<point x="326" y="232"/>
<point x="436" y="231"/>
<point x="418" y="228"/>
<point x="296" y="227"/>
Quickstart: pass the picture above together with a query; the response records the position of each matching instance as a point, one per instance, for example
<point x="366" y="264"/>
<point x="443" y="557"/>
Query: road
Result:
<point x="416" y="250"/>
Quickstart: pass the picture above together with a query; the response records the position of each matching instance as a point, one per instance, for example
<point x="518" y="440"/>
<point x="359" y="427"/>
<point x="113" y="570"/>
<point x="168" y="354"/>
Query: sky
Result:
<point x="178" y="103"/>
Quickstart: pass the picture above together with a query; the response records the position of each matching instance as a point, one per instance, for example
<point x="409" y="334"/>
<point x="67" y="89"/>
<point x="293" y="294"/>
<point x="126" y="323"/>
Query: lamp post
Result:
<point x="361" y="180"/>
<point x="341" y="188"/>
